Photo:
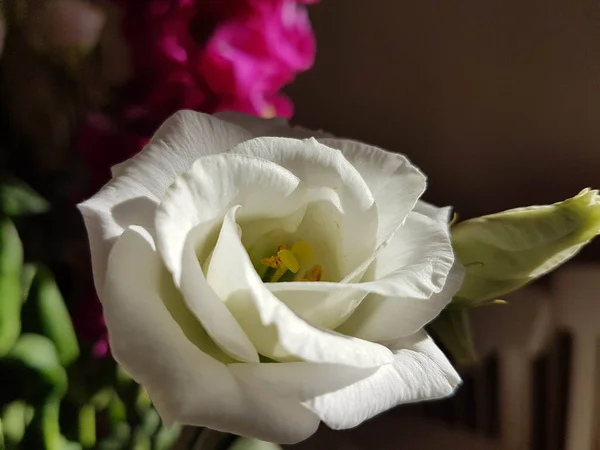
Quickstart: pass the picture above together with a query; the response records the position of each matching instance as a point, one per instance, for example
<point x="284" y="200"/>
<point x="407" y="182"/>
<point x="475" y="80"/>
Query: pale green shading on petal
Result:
<point x="502" y="252"/>
<point x="189" y="324"/>
<point x="253" y="444"/>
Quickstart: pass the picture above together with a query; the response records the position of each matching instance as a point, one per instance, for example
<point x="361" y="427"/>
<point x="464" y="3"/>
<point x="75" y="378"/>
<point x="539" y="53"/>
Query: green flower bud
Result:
<point x="503" y="252"/>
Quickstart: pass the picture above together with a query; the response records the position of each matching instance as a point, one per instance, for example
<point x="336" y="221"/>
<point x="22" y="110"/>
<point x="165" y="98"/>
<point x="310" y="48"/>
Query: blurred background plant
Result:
<point x="83" y="85"/>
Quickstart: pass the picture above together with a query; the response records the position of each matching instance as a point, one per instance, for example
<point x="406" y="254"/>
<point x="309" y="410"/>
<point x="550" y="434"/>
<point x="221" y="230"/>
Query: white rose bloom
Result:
<point x="260" y="285"/>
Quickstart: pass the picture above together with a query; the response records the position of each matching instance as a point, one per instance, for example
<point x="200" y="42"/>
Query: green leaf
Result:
<point x="118" y="440"/>
<point x="68" y="445"/>
<point x="503" y="252"/>
<point x="166" y="437"/>
<point x="44" y="431"/>
<point x="117" y="412"/>
<point x="142" y="402"/>
<point x="28" y="272"/>
<point x="452" y="328"/>
<point x="14" y="422"/>
<point x="87" y="426"/>
<point x="45" y="311"/>
<point x="11" y="260"/>
<point x="33" y="370"/>
<point x="18" y="199"/>
<point x="102" y="398"/>
<point x="150" y="422"/>
<point x="141" y="440"/>
<point x="50" y="424"/>
<point x="253" y="444"/>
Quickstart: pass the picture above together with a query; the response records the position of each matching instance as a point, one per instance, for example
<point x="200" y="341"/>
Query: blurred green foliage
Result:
<point x="54" y="396"/>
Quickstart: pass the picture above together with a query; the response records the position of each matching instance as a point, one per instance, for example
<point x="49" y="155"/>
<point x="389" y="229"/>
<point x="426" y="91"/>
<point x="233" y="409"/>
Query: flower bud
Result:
<point x="502" y="252"/>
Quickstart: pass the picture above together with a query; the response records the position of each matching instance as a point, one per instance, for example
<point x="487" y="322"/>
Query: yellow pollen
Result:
<point x="284" y="260"/>
<point x="271" y="261"/>
<point x="313" y="274"/>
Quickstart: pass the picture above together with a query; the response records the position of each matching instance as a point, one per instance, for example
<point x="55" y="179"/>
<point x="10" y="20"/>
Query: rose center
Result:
<point x="289" y="261"/>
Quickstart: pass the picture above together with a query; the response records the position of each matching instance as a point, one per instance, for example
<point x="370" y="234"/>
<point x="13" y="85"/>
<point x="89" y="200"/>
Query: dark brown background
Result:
<point x="498" y="101"/>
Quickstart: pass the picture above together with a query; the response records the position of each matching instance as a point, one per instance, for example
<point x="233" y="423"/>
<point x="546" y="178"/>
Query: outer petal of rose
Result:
<point x="441" y="215"/>
<point x="418" y="257"/>
<point x="133" y="195"/>
<point x="412" y="270"/>
<point x="380" y="318"/>
<point x="327" y="176"/>
<point x="275" y="330"/>
<point x="420" y="372"/>
<point x="302" y="381"/>
<point x="185" y="384"/>
<point x="394" y="182"/>
<point x="188" y="220"/>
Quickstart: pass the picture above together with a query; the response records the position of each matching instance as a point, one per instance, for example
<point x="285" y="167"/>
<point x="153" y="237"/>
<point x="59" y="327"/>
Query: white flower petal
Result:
<point x="300" y="380"/>
<point x="132" y="197"/>
<point x="417" y="259"/>
<point x="394" y="182"/>
<point x="411" y="270"/>
<point x="420" y="372"/>
<point x="275" y="330"/>
<point x="185" y="384"/>
<point x="329" y="178"/>
<point x="189" y="217"/>
<point x="442" y="215"/>
<point x="320" y="307"/>
<point x="381" y="318"/>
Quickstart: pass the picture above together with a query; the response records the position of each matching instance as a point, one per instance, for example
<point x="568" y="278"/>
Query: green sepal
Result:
<point x="452" y="329"/>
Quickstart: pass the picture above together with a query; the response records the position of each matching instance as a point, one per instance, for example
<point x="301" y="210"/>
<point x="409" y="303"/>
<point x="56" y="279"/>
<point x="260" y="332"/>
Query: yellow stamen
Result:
<point x="313" y="274"/>
<point x="302" y="251"/>
<point x="271" y="261"/>
<point x="288" y="259"/>
<point x="284" y="260"/>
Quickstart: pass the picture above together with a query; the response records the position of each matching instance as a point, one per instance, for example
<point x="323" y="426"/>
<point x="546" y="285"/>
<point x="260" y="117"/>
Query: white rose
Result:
<point x="181" y="241"/>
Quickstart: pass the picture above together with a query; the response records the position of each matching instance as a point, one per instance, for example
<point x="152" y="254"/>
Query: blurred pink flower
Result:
<point x="248" y="59"/>
<point x="206" y="55"/>
<point x="213" y="55"/>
